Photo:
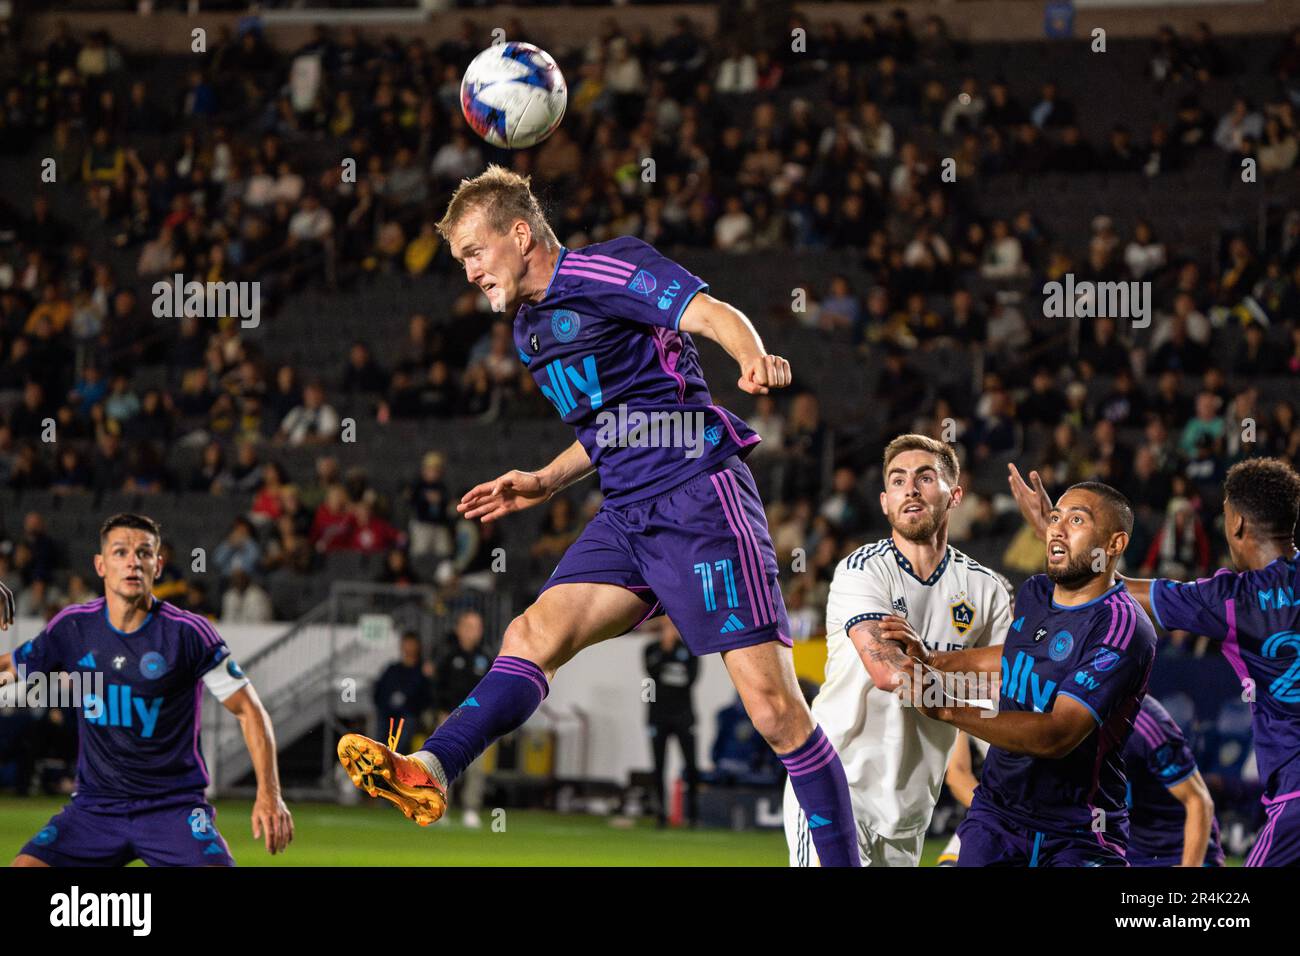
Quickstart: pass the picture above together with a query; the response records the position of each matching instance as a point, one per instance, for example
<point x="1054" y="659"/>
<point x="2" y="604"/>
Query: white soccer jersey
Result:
<point x="894" y="757"/>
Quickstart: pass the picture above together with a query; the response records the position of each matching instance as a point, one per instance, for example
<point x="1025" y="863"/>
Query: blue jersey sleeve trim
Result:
<point x="687" y="301"/>
<point x="859" y="618"/>
<point x="1174" y="783"/>
<point x="1155" y="608"/>
<point x="1066" y="693"/>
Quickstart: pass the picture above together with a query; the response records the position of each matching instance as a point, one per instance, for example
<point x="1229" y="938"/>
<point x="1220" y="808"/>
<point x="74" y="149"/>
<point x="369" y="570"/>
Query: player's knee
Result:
<point x="781" y="720"/>
<point x="23" y="859"/>
<point x="529" y="638"/>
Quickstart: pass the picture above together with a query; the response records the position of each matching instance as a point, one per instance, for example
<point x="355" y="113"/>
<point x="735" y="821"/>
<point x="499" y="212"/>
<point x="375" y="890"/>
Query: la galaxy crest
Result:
<point x="963" y="615"/>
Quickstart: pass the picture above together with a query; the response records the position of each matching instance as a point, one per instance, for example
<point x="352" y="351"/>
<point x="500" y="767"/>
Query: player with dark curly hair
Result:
<point x="1255" y="615"/>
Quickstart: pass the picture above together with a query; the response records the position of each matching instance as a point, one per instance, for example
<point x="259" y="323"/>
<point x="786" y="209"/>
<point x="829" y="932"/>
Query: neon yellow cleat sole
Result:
<point x="404" y="782"/>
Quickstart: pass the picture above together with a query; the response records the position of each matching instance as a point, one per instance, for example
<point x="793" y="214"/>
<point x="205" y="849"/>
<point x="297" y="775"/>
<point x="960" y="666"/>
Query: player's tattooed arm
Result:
<point x="6" y="667"/>
<point x="894" y="629"/>
<point x="885" y="660"/>
<point x="730" y="328"/>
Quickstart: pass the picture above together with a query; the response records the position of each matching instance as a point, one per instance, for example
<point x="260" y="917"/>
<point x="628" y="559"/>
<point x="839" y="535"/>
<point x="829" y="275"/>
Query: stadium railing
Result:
<point x="320" y="673"/>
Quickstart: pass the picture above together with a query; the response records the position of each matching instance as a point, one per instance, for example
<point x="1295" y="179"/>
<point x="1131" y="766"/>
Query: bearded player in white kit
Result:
<point x="894" y="758"/>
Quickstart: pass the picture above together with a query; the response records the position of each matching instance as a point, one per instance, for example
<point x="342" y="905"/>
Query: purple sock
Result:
<point x="506" y="697"/>
<point x="823" y="792"/>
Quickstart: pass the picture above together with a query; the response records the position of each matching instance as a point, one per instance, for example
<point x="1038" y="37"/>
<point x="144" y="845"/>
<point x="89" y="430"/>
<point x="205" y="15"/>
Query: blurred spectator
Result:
<point x="404" y="691"/>
<point x="1180" y="548"/>
<point x="238" y="550"/>
<point x="559" y="530"/>
<point x="311" y="423"/>
<point x="333" y="523"/>
<point x="397" y="569"/>
<point x="457" y="671"/>
<point x="673" y="671"/>
<point x="430" y="525"/>
<point x="371" y="533"/>
<point x="244" y="601"/>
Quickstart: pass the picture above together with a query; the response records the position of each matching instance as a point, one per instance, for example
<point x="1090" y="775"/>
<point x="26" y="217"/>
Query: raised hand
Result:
<point x="513" y="491"/>
<point x="1035" y="505"/>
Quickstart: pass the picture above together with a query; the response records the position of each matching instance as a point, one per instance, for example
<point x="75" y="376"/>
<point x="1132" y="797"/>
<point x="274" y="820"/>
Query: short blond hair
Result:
<point x="503" y="196"/>
<point x="947" y="455"/>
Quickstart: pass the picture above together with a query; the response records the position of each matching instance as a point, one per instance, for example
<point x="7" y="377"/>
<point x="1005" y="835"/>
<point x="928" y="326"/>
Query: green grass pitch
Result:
<point x="377" y="835"/>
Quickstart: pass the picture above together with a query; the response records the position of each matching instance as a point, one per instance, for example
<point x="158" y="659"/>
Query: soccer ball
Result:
<point x="513" y="95"/>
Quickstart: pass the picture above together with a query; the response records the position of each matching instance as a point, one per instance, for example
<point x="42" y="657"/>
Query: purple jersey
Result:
<point x="604" y="348"/>
<point x="142" y="738"/>
<point x="1156" y="758"/>
<point x="1098" y="653"/>
<point x="1256" y="615"/>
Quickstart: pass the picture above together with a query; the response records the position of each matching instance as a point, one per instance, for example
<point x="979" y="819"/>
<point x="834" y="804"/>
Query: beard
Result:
<point x="921" y="530"/>
<point x="1078" y="570"/>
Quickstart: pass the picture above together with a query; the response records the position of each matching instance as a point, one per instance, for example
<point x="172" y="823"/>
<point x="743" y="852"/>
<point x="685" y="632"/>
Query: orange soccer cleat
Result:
<point x="382" y="772"/>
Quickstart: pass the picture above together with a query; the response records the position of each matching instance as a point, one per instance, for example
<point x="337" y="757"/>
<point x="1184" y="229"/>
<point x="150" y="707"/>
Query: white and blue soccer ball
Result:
<point x="513" y="95"/>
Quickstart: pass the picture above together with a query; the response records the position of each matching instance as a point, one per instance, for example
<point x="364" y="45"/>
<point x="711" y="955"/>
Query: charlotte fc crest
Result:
<point x="565" y="324"/>
<point x="963" y="616"/>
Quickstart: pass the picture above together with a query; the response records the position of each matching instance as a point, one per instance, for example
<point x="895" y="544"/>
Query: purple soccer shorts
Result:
<point x="699" y="552"/>
<point x="176" y="831"/>
<point x="990" y="839"/>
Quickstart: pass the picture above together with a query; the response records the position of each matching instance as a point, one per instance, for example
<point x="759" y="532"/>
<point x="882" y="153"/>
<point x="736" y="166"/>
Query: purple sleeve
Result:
<point x="41" y="655"/>
<point x="1170" y="760"/>
<point x="1104" y="680"/>
<point x="206" y="647"/>
<point x="1196" y="606"/>
<point x="1110" y="662"/>
<point x="658" y="291"/>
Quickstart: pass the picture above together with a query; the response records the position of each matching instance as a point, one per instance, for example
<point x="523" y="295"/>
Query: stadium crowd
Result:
<point x="241" y="175"/>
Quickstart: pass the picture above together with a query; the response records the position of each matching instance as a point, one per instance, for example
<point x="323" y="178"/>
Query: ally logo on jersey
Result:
<point x="119" y="707"/>
<point x="567" y="383"/>
<point x="1021" y="683"/>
